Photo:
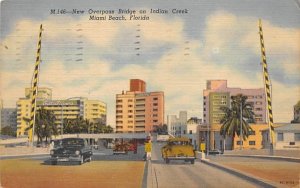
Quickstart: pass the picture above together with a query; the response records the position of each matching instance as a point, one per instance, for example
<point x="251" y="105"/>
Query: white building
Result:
<point x="287" y="136"/>
<point x="177" y="126"/>
<point x="192" y="131"/>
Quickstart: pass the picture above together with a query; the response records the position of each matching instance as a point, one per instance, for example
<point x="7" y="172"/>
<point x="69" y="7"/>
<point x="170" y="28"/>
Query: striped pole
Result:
<point x="34" y="89"/>
<point x="267" y="83"/>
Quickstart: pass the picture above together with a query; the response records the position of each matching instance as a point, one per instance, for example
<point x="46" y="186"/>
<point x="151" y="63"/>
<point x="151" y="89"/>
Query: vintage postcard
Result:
<point x="149" y="93"/>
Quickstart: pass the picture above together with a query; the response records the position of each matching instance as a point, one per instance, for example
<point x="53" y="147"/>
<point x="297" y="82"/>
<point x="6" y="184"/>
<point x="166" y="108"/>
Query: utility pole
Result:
<point x="241" y="128"/>
<point x="34" y="90"/>
<point x="267" y="83"/>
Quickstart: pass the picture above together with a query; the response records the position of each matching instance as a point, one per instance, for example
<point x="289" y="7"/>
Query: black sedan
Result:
<point x="71" y="150"/>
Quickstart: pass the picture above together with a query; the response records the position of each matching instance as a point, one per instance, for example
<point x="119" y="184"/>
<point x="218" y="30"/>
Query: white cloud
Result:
<point x="180" y="73"/>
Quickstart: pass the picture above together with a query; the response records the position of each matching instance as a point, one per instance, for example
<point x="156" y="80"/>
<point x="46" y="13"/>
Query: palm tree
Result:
<point x="231" y="121"/>
<point x="44" y="124"/>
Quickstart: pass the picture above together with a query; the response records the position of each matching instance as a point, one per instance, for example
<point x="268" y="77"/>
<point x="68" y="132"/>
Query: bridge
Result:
<point x="92" y="136"/>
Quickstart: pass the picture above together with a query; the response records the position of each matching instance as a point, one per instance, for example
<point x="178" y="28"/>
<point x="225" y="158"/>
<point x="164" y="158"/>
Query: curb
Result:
<point x="249" y="177"/>
<point x="279" y="158"/>
<point x="21" y="155"/>
<point x="145" y="176"/>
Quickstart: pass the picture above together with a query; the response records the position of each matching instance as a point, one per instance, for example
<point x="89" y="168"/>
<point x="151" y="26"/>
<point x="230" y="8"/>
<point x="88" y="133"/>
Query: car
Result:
<point x="71" y="150"/>
<point x="215" y="152"/>
<point x="178" y="148"/>
<point x="120" y="148"/>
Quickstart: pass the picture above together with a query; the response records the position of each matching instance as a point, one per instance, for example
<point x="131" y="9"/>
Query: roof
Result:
<point x="289" y="127"/>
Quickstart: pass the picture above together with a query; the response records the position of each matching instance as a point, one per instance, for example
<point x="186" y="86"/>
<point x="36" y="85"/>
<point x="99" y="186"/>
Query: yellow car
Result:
<point x="178" y="149"/>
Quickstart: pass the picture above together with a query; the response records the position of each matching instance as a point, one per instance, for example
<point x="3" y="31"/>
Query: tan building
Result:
<point x="93" y="110"/>
<point x="24" y="107"/>
<point x="255" y="139"/>
<point x="138" y="110"/>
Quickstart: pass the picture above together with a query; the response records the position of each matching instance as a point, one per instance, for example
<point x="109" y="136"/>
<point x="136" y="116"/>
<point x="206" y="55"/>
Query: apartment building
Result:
<point x="177" y="126"/>
<point x="217" y="94"/>
<point x="138" y="110"/>
<point x="93" y="110"/>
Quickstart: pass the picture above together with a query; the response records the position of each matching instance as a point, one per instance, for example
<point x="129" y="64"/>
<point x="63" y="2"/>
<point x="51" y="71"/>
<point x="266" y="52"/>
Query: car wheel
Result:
<point x="90" y="159"/>
<point x="192" y="161"/>
<point x="167" y="161"/>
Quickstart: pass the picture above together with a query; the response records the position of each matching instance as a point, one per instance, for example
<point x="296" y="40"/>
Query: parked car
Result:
<point x="214" y="152"/>
<point x="72" y="150"/>
<point x="178" y="149"/>
<point x="120" y="148"/>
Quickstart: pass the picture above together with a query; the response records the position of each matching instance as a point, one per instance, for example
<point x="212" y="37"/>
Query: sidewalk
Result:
<point x="265" y="152"/>
<point x="22" y="150"/>
<point x="269" y="169"/>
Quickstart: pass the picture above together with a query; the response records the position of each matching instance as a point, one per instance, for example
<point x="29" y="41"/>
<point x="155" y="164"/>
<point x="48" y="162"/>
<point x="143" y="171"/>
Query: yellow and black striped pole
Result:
<point x="34" y="89"/>
<point x="267" y="83"/>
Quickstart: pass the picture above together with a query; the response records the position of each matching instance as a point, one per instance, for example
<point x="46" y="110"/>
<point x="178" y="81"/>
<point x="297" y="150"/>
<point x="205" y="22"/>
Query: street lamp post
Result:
<point x="241" y="132"/>
<point x="62" y="122"/>
<point x="208" y="139"/>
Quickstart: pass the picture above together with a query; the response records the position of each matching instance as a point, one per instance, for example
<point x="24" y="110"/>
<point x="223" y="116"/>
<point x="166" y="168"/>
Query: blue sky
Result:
<point x="177" y="53"/>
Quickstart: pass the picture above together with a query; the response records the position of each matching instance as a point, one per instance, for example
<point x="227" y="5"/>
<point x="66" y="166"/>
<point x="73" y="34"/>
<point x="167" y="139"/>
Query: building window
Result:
<point x="191" y="132"/>
<point x="130" y="100"/>
<point x="279" y="136"/>
<point x="297" y="137"/>
<point x="155" y="104"/>
<point x="119" y="106"/>
<point x="130" y="106"/>
<point x="239" y="143"/>
<point x="251" y="132"/>
<point x="251" y="143"/>
<point x="155" y="99"/>
<point x="130" y="116"/>
<point x="155" y="110"/>
<point x="204" y="109"/>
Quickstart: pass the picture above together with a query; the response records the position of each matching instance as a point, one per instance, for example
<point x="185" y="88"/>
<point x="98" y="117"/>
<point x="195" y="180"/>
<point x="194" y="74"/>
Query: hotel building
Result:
<point x="217" y="95"/>
<point x="138" y="110"/>
<point x="93" y="110"/>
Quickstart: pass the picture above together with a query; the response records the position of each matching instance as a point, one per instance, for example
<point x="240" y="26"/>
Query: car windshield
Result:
<point x="73" y="142"/>
<point x="179" y="143"/>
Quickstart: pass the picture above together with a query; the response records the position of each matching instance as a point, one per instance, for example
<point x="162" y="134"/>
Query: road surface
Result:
<point x="185" y="174"/>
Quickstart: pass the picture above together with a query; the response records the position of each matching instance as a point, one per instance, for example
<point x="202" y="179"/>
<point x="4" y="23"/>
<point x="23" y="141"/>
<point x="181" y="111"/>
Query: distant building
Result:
<point x="9" y="117"/>
<point x="296" y="113"/>
<point x="192" y="131"/>
<point x="93" y="110"/>
<point x="43" y="93"/>
<point x="177" y="125"/>
<point x="217" y="95"/>
<point x="287" y="136"/>
<point x="138" y="110"/>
